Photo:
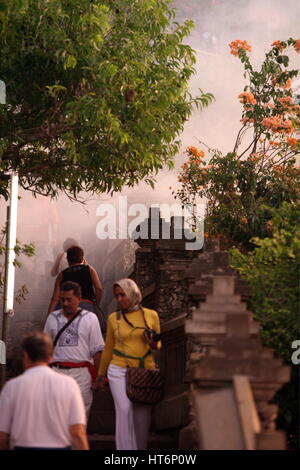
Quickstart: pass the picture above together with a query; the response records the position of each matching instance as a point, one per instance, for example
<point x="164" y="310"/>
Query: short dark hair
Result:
<point x="75" y="254"/>
<point x="38" y="346"/>
<point x="70" y="285"/>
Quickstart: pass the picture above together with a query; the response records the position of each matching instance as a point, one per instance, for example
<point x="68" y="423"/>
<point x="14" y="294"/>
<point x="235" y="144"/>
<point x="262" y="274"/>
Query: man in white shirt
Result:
<point x="41" y="409"/>
<point x="77" y="351"/>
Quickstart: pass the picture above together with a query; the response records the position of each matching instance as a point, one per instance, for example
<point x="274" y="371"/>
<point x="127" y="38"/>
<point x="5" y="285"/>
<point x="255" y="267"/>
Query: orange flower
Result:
<point x="288" y="104"/>
<point x="297" y="45"/>
<point x="206" y="235"/>
<point x="238" y="45"/>
<point x="196" y="152"/>
<point x="285" y="85"/>
<point x="286" y="100"/>
<point x="292" y="141"/>
<point x="277" y="124"/>
<point x="278" y="168"/>
<point x="246" y="97"/>
<point x="244" y="120"/>
<point x="279" y="45"/>
<point x="275" y="144"/>
<point x="288" y="83"/>
<point x="253" y="157"/>
<point x="287" y="127"/>
<point x="294" y="108"/>
<point x="244" y="220"/>
<point x="269" y="105"/>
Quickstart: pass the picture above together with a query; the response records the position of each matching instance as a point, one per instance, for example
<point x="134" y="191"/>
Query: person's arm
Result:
<point x="7" y="409"/>
<point x="97" y="359"/>
<point x="55" y="268"/>
<point x="55" y="295"/>
<point x="4" y="440"/>
<point x="49" y="327"/>
<point x="100" y="383"/>
<point x="157" y="329"/>
<point x="96" y="341"/>
<point x="108" y="349"/>
<point x="97" y="284"/>
<point x="78" y="437"/>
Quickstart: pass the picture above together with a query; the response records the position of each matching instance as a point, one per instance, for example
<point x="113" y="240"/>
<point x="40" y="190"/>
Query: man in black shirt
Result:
<point x="85" y="275"/>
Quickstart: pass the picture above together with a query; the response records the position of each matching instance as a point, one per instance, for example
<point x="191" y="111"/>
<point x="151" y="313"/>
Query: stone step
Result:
<point x="102" y="441"/>
<point x="157" y="441"/>
<point x="216" y="308"/>
<point x="211" y="324"/>
<point x="223" y="299"/>
<point x="102" y="415"/>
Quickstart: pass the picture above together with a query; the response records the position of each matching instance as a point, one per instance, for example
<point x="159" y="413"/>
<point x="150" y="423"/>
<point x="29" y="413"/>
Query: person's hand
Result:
<point x="149" y="340"/>
<point x="100" y="383"/>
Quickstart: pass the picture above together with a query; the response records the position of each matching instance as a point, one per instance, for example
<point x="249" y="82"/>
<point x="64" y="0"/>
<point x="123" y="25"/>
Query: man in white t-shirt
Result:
<point x="41" y="409"/>
<point x="77" y="351"/>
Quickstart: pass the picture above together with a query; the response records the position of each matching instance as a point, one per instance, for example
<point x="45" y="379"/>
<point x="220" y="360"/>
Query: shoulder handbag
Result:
<point x="144" y="386"/>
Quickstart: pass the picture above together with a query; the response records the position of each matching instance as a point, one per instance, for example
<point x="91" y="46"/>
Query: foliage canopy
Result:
<point x="97" y="92"/>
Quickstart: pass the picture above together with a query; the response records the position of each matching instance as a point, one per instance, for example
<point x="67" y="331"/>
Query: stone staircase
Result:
<point x="101" y="427"/>
<point x="160" y="441"/>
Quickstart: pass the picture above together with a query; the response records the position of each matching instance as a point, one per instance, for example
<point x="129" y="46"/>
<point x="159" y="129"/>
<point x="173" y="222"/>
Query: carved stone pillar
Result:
<point x="161" y="262"/>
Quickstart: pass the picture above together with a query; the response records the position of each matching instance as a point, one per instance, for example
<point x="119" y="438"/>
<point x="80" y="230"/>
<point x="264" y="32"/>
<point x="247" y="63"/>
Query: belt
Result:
<point x="140" y="359"/>
<point x="59" y="366"/>
<point x="87" y="300"/>
<point x="76" y="365"/>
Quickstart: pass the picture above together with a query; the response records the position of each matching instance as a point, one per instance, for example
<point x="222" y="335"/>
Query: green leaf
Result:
<point x="70" y="62"/>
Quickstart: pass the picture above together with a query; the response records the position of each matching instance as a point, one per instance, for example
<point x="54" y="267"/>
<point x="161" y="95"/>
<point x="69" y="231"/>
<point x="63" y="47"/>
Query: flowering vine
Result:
<point x="239" y="185"/>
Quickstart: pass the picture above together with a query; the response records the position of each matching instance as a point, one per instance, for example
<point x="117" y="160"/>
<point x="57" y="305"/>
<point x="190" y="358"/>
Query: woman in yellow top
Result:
<point x="129" y="344"/>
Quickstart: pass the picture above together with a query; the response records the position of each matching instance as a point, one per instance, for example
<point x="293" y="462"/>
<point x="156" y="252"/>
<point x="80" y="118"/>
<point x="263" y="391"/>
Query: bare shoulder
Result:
<point x="92" y="270"/>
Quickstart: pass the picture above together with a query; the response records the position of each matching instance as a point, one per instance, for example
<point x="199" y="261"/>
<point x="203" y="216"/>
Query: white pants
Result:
<point x="132" y="419"/>
<point x="84" y="380"/>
